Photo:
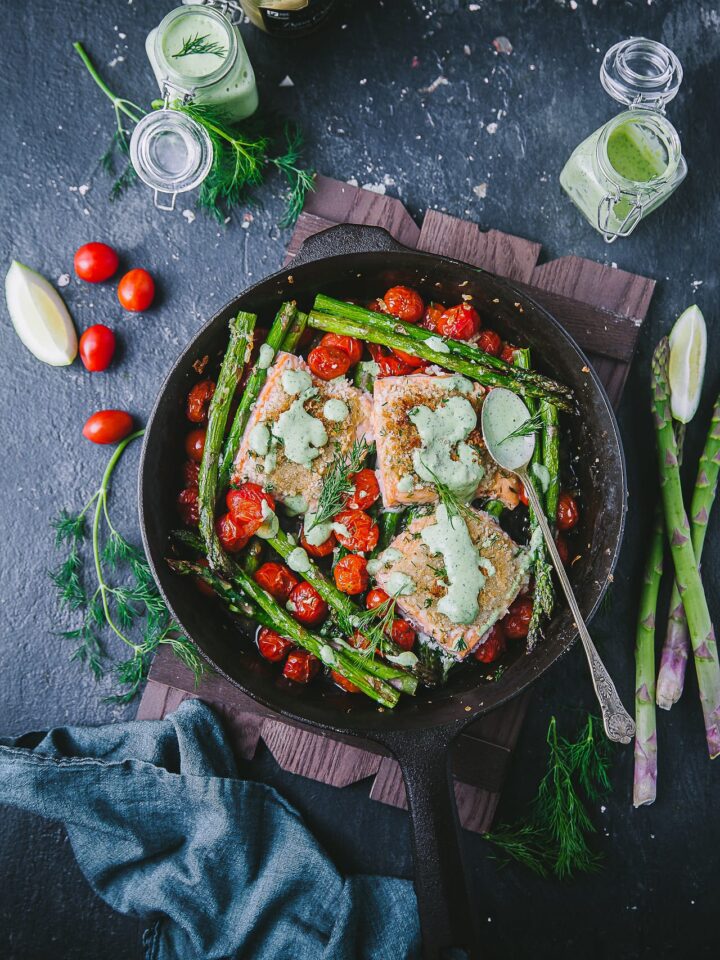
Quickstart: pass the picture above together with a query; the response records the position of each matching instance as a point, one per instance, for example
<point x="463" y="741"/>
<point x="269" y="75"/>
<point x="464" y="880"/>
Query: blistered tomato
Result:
<point x="516" y="623"/>
<point x="349" y="345"/>
<point x="195" y="444"/>
<point x="246" y="505"/>
<point x="432" y="316"/>
<point x="301" y="666"/>
<point x="198" y="401"/>
<point x="108" y="426"/>
<point x="351" y="575"/>
<point x="328" y="362"/>
<point x="272" y="646"/>
<point x="461" y="322"/>
<point x="404" y="303"/>
<point x="361" y="532"/>
<point x="366" y="490"/>
<point x="489" y="342"/>
<point x="494" y="645"/>
<point x="409" y="359"/>
<point x="188" y="506"/>
<point x="376" y="598"/>
<point x="389" y="365"/>
<point x="277" y="579"/>
<point x="318" y="549"/>
<point x="508" y="353"/>
<point x="97" y="346"/>
<point x="232" y="535"/>
<point x="568" y="512"/>
<point x="202" y="585"/>
<point x="403" y="634"/>
<point x="343" y="682"/>
<point x="306" y="605"/>
<point x="191" y="472"/>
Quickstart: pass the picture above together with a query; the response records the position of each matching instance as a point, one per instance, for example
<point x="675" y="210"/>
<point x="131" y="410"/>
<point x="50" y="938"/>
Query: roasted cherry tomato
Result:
<point x="376" y="598"/>
<point x="136" y="290"/>
<point x="319" y="549"/>
<point x="351" y="575"/>
<point x="359" y="641"/>
<point x="461" y="322"/>
<point x="432" y="316"/>
<point x="347" y="685"/>
<point x="233" y="535"/>
<point x="568" y="512"/>
<point x="489" y="342"/>
<point x="508" y="353"/>
<point x="494" y="645"/>
<point x="202" y="585"/>
<point x="246" y="505"/>
<point x="97" y="346"/>
<point x="389" y="365"/>
<point x="366" y="490"/>
<point x="188" y="506"/>
<point x="195" y="444"/>
<point x="522" y="494"/>
<point x="272" y="646"/>
<point x="377" y="305"/>
<point x="516" y="622"/>
<point x="409" y="359"/>
<point x="108" y="426"/>
<point x="349" y="345"/>
<point x="198" y="401"/>
<point x="191" y="472"/>
<point x="301" y="666"/>
<point x="277" y="579"/>
<point x="95" y="262"/>
<point x="405" y="304"/>
<point x="562" y="548"/>
<point x="328" y="362"/>
<point x="362" y="531"/>
<point x="403" y="634"/>
<point x="306" y="605"/>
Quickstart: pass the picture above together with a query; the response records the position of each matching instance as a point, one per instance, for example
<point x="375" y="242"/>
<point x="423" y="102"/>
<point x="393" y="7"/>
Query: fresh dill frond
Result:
<point x="300" y="180"/>
<point x="375" y="625"/>
<point x="337" y="483"/>
<point x="453" y="504"/>
<point x="589" y="758"/>
<point x="525" y="844"/>
<point x="531" y="425"/>
<point x="200" y="43"/>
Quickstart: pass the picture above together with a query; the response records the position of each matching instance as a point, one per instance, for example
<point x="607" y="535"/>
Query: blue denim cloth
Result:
<point x="219" y="867"/>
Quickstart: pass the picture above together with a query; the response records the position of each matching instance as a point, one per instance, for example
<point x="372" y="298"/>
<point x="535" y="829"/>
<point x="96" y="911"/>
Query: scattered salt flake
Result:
<point x="286" y="82"/>
<point x="603" y="809"/>
<point x="573" y="4"/>
<point x="466" y="50"/>
<point x="189" y="215"/>
<point x="63" y="280"/>
<point x="374" y="187"/>
<point x="491" y="128"/>
<point x="363" y="81"/>
<point x="532" y="66"/>
<point x="244" y="225"/>
<point x="696" y="283"/>
<point x="115" y="61"/>
<point x="83" y="189"/>
<point x="248" y="216"/>
<point x="480" y="190"/>
<point x="437" y="82"/>
<point x="474" y="7"/>
<point x="502" y="45"/>
<point x="123" y="36"/>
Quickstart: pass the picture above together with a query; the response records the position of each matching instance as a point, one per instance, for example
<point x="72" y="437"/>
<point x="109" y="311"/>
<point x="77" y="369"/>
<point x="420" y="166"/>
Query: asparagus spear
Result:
<point x="495" y="371"/>
<point x="388" y="523"/>
<point x="551" y="456"/>
<point x="241" y="328"/>
<point x="671" y="675"/>
<point x="234" y="601"/>
<point x="285" y="317"/>
<point x="295" y="332"/>
<point x="687" y="574"/>
<point x="645" y="781"/>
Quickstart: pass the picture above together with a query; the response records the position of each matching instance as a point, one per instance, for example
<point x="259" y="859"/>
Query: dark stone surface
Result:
<point x="360" y="101"/>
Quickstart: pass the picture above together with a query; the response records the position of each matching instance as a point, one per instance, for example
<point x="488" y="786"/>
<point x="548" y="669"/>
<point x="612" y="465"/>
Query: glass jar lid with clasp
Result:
<point x="629" y="166"/>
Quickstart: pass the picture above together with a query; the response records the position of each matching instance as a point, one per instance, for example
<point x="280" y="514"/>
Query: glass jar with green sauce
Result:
<point x="630" y="165"/>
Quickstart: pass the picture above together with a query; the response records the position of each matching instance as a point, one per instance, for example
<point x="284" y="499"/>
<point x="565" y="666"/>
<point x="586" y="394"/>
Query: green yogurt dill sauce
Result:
<point x="635" y="154"/>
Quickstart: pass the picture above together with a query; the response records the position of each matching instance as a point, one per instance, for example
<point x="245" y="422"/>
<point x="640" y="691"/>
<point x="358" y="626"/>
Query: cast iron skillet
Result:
<point x="358" y="263"/>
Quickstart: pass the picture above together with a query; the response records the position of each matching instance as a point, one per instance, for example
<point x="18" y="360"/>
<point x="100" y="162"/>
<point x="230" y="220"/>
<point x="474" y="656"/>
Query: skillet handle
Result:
<point x="448" y="917"/>
<point x="346" y="238"/>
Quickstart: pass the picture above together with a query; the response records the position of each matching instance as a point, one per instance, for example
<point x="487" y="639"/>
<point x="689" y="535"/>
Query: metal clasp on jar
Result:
<point x="632" y="219"/>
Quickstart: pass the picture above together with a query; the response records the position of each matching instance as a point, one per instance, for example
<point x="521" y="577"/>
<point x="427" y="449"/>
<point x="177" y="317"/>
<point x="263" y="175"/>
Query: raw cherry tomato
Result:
<point x="489" y="342"/>
<point x="108" y="426"/>
<point x="272" y="646"/>
<point x="562" y="548"/>
<point x="403" y="634"/>
<point x="97" y="346"/>
<point x="188" y="506"/>
<point x="245" y="505"/>
<point x="432" y="316"/>
<point x="362" y="531"/>
<point x="347" y="685"/>
<point x="232" y="535"/>
<point x="366" y="490"/>
<point x="461" y="322"/>
<point x="409" y="359"/>
<point x="376" y="598"/>
<point x="301" y="666"/>
<point x="328" y="362"/>
<point x="568" y="512"/>
<point x="349" y="345"/>
<point x="195" y="444"/>
<point x="508" y="353"/>
<point x="320" y="549"/>
<point x="494" y="645"/>
<point x="516" y="623"/>
<point x="95" y="262"/>
<point x="202" y="585"/>
<point x="351" y="575"/>
<point x="198" y="401"/>
<point x="306" y="605"/>
<point x="522" y="494"/>
<point x="277" y="579"/>
<point x="191" y="471"/>
<point x="136" y="290"/>
<point x="404" y="303"/>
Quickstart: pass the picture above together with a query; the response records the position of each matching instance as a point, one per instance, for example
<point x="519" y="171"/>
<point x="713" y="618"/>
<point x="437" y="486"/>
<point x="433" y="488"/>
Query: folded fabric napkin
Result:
<point x="219" y="867"/>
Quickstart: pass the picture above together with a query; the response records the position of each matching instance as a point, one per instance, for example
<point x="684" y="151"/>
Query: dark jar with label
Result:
<point x="279" y="18"/>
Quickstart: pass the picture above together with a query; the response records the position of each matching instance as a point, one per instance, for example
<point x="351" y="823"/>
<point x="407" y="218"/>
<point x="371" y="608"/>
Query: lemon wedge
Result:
<point x="39" y="316"/>
<point x="686" y="369"/>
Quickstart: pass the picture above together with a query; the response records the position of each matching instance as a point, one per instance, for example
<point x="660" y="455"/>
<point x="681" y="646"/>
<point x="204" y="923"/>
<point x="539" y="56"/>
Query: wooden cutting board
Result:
<point x="603" y="309"/>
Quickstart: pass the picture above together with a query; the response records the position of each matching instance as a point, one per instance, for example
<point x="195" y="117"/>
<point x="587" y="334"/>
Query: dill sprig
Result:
<point x="453" y="504"/>
<point x="531" y="425"/>
<point x="374" y="625"/>
<point x="200" y="44"/>
<point x="134" y="610"/>
<point x="300" y="181"/>
<point x="337" y="483"/>
<point x="554" y="839"/>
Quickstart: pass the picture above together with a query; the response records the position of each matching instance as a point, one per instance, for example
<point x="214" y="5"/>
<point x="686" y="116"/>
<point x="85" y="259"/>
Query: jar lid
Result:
<point x="170" y="152"/>
<point x="641" y="72"/>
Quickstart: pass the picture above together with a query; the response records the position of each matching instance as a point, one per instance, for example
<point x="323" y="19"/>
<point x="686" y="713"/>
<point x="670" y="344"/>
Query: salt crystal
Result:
<point x="363" y="81"/>
<point x="437" y="82"/>
<point x="286" y="82"/>
<point x="189" y="215"/>
<point x="480" y="190"/>
<point x="491" y="128"/>
<point x="83" y="189"/>
<point x="573" y="4"/>
<point x="502" y="45"/>
<point x="466" y="50"/>
<point x="63" y="280"/>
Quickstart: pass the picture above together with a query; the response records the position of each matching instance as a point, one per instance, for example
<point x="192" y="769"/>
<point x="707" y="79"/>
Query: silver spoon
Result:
<point x="504" y="412"/>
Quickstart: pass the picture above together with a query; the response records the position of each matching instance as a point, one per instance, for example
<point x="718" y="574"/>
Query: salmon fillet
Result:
<point x="408" y="555"/>
<point x="286" y="480"/>
<point x="397" y="438"/>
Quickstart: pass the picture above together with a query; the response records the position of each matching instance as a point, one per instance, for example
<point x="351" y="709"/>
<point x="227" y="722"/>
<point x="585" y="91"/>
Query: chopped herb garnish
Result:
<point x="200" y="44"/>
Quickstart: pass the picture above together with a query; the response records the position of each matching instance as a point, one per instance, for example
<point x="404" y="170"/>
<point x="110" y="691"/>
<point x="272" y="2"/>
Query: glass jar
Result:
<point x="280" y="18"/>
<point x="629" y="166"/>
<point x="197" y="53"/>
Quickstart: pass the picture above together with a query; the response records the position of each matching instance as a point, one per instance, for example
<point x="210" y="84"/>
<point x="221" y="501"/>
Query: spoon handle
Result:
<point x="619" y="725"/>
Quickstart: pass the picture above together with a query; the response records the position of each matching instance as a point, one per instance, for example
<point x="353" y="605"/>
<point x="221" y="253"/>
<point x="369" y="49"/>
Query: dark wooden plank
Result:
<point x="318" y="757"/>
<point x="596" y="284"/>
